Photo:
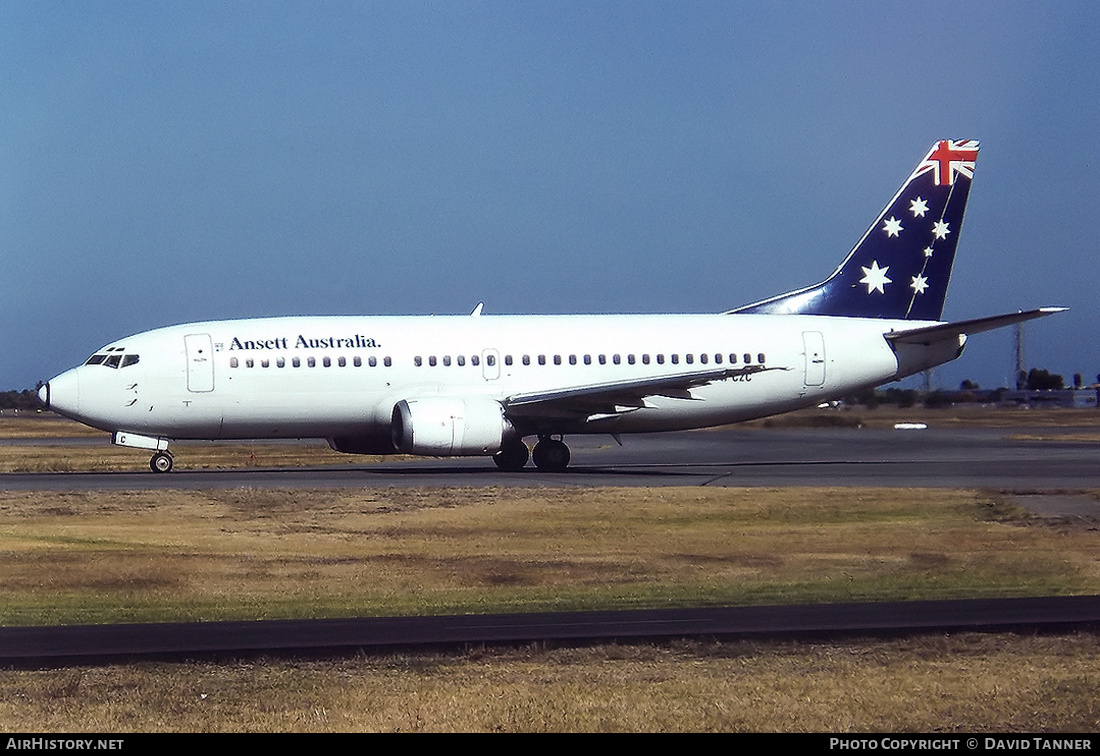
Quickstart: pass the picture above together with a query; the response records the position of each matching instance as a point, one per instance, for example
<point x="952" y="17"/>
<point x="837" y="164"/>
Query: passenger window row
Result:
<point x="282" y="362"/>
<point x="490" y="360"/>
<point x="600" y="359"/>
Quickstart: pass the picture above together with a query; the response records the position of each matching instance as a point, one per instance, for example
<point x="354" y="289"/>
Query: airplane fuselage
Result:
<point x="340" y="377"/>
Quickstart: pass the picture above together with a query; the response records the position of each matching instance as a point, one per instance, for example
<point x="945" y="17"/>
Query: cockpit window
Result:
<point x="115" y="360"/>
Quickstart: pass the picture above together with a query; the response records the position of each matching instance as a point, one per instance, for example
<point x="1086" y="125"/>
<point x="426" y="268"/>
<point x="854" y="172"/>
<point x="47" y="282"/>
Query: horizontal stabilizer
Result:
<point x="931" y="334"/>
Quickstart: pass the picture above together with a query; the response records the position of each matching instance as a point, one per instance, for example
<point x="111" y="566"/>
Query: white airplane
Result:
<point x="478" y="385"/>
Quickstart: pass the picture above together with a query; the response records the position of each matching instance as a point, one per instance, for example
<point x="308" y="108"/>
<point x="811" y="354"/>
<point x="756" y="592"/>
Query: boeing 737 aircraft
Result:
<point x="480" y="385"/>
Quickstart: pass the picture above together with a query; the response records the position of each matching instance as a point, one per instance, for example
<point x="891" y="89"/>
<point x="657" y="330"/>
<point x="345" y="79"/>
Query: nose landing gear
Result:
<point x="161" y="462"/>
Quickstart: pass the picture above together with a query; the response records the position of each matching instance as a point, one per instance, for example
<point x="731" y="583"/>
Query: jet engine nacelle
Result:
<point x="449" y="426"/>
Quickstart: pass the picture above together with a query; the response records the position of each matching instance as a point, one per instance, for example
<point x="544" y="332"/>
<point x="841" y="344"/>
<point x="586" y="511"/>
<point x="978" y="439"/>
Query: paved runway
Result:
<point x="1019" y="458"/>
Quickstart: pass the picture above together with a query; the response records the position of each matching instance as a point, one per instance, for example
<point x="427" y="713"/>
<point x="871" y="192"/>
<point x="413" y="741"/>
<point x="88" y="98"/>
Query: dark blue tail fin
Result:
<point x="900" y="268"/>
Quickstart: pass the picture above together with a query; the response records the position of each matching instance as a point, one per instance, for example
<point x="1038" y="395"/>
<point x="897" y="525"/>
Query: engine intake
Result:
<point x="449" y="426"/>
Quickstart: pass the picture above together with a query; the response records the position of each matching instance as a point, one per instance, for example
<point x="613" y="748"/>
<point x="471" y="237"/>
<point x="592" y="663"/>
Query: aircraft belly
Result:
<point x="321" y="414"/>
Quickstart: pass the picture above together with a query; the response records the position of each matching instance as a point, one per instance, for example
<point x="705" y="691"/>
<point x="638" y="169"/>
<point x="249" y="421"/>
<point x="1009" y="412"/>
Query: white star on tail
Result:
<point x="940" y="230"/>
<point x="919" y="284"/>
<point x="875" y="278"/>
<point x="918" y="207"/>
<point x="892" y="226"/>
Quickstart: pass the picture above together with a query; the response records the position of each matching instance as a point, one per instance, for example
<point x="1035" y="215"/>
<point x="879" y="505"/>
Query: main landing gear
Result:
<point x="549" y="455"/>
<point x="161" y="462"/>
<point x="512" y="456"/>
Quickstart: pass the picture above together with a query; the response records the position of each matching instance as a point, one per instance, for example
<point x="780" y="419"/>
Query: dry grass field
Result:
<point x="207" y="555"/>
<point x="146" y="556"/>
<point x="139" y="556"/>
<point x="965" y="683"/>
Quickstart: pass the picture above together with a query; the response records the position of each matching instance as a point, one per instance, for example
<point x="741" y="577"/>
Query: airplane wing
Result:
<point x="617" y="397"/>
<point x="932" y="334"/>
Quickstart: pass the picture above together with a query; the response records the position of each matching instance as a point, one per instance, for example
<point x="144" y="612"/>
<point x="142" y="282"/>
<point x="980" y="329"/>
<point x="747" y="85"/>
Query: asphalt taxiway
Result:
<point x="1020" y="458"/>
<point x="90" y="643"/>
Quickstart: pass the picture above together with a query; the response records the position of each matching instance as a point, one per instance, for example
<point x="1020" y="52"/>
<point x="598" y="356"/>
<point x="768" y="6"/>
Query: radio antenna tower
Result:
<point x="1020" y="357"/>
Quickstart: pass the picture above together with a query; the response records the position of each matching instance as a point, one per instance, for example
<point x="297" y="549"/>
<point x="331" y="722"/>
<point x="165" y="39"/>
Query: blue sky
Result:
<point x="174" y="161"/>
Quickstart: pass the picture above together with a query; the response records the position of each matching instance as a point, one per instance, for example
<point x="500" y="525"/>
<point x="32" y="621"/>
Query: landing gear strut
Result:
<point x="550" y="455"/>
<point x="161" y="462"/>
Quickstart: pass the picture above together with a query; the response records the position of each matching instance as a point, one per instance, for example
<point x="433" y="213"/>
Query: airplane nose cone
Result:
<point x="62" y="394"/>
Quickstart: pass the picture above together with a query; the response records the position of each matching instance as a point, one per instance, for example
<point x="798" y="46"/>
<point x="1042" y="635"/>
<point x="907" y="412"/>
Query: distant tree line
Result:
<point x="905" y="398"/>
<point x="1036" y="379"/>
<point x="20" y="400"/>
